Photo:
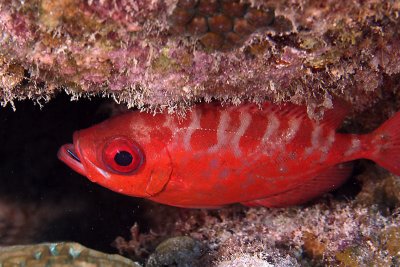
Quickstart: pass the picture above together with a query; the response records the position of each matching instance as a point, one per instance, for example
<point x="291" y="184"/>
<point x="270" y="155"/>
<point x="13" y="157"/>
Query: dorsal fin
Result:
<point x="334" y="117"/>
<point x="286" y="109"/>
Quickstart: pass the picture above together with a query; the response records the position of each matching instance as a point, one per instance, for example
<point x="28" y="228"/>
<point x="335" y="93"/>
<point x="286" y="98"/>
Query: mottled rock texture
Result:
<point x="167" y="53"/>
<point x="60" y="254"/>
<point x="328" y="233"/>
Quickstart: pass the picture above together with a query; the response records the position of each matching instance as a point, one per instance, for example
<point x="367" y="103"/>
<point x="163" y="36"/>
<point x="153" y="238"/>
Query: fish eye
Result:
<point x="122" y="155"/>
<point x="123" y="158"/>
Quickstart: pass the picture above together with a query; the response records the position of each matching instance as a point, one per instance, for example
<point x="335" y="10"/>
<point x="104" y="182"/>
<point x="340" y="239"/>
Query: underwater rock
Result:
<point x="60" y="254"/>
<point x="380" y="249"/>
<point x="328" y="233"/>
<point x="379" y="187"/>
<point x="244" y="260"/>
<point x="168" y="53"/>
<point x="180" y="251"/>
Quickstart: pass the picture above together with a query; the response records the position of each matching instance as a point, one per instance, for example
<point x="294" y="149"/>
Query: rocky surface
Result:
<point x="329" y="232"/>
<point x="60" y="254"/>
<point x="168" y="53"/>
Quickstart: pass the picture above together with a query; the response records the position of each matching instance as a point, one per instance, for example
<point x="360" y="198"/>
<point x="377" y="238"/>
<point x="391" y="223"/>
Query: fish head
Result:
<point x="119" y="158"/>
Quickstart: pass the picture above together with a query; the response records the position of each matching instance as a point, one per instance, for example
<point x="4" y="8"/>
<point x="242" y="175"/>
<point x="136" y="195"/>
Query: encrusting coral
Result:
<point x="330" y="232"/>
<point x="168" y="53"/>
<point x="59" y="254"/>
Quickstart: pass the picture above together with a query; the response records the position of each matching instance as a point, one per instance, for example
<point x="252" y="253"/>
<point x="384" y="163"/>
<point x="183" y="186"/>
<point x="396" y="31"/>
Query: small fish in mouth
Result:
<point x="275" y="156"/>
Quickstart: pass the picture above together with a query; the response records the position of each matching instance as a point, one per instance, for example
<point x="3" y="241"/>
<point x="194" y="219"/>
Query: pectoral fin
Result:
<point x="158" y="180"/>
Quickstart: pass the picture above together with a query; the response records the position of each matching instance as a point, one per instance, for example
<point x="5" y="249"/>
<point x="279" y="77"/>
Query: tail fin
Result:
<point x="386" y="144"/>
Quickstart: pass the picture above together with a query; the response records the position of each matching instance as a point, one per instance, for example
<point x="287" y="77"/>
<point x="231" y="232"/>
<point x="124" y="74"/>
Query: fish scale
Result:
<point x="243" y="130"/>
<point x="273" y="155"/>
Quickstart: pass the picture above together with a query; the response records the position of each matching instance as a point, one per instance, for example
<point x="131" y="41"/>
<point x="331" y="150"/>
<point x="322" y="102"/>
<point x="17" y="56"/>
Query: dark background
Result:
<point x="42" y="199"/>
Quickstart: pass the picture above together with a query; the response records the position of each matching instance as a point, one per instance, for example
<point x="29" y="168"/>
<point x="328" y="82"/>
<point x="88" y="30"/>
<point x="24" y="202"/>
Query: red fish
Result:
<point x="274" y="157"/>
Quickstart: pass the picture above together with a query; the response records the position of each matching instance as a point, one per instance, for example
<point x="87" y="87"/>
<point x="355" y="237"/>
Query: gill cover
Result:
<point x="162" y="169"/>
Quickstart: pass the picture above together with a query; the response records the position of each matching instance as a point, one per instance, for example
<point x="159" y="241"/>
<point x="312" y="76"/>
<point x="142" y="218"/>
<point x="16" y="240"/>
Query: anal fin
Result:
<point x="324" y="182"/>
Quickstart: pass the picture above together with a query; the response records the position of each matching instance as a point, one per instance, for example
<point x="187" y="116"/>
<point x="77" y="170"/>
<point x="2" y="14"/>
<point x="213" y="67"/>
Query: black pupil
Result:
<point x="123" y="158"/>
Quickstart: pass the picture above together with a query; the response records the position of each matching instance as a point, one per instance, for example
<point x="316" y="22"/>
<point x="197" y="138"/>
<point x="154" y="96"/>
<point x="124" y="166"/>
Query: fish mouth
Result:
<point x="69" y="154"/>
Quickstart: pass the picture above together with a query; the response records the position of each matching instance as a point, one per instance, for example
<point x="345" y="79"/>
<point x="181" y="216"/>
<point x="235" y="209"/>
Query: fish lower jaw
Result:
<point x="68" y="155"/>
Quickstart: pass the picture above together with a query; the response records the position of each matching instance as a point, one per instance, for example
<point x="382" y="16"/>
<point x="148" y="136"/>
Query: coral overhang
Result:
<point x="305" y="52"/>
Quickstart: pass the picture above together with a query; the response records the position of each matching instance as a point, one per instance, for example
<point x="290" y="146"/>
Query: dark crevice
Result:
<point x="61" y="204"/>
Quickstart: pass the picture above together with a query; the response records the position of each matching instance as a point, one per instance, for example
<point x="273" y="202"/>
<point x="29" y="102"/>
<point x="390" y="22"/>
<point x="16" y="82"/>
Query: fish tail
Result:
<point x="385" y="145"/>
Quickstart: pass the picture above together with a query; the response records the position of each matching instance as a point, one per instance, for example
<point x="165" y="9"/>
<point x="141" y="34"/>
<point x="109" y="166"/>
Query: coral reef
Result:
<point x="246" y="260"/>
<point x="59" y="254"/>
<point x="330" y="232"/>
<point x="167" y="53"/>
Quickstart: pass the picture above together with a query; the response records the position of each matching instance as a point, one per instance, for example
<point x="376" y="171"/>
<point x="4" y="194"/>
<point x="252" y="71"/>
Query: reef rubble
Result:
<point x="330" y="232"/>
